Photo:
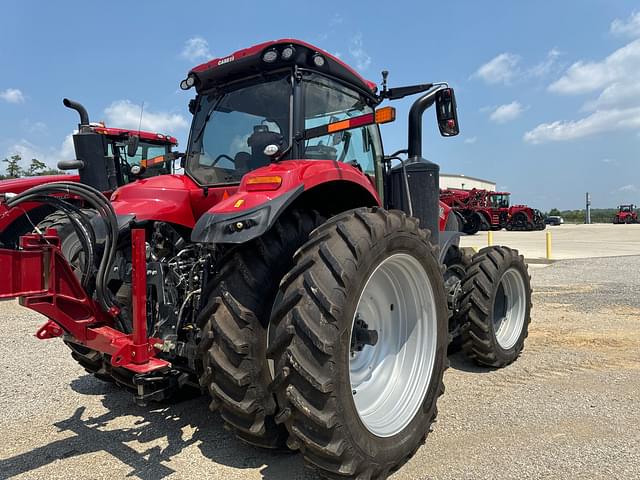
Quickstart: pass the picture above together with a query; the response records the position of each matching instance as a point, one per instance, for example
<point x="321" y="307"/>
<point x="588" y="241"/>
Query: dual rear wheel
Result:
<point x="344" y="361"/>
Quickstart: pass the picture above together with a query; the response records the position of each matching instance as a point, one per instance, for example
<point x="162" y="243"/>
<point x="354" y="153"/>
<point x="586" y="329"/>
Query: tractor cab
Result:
<point x="287" y="102"/>
<point x="107" y="158"/>
<point x="279" y="101"/>
<point x="138" y="154"/>
<point x="499" y="200"/>
<point x="626" y="208"/>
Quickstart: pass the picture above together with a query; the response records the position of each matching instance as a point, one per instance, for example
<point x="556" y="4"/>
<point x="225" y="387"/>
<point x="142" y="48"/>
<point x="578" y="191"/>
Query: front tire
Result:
<point x="496" y="302"/>
<point x="360" y="342"/>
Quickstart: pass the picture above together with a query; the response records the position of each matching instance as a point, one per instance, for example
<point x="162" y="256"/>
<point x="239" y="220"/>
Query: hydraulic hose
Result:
<point x="94" y="198"/>
<point x="83" y="229"/>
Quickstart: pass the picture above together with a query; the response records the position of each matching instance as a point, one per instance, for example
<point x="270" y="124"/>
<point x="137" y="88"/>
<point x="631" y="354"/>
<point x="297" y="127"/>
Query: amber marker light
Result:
<point x="259" y="184"/>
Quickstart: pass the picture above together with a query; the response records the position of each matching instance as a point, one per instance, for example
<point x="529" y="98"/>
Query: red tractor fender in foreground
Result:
<point x="179" y="200"/>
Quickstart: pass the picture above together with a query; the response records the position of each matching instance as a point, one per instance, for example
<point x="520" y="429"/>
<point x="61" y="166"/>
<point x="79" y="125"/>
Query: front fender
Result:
<point x="247" y="214"/>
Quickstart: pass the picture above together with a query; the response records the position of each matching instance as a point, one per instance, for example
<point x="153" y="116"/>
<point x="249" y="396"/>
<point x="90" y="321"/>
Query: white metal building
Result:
<point x="451" y="180"/>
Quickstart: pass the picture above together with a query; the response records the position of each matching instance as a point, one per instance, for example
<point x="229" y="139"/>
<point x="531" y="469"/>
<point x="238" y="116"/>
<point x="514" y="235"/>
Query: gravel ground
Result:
<point x="568" y="408"/>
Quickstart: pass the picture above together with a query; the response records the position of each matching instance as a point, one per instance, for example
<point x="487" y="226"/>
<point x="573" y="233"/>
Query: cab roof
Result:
<point x="249" y="60"/>
<point x="124" y="132"/>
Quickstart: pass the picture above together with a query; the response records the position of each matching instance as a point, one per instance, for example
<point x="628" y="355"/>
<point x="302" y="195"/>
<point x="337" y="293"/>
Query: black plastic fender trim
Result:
<point x="243" y="226"/>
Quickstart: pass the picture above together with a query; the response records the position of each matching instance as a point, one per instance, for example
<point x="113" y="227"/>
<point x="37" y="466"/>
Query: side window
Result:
<point x="327" y="101"/>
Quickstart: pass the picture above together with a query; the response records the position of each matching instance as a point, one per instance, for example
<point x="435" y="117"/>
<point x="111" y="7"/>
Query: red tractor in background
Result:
<point x="522" y="217"/>
<point x="124" y="156"/>
<point x="479" y="209"/>
<point x="294" y="272"/>
<point x="626" y="214"/>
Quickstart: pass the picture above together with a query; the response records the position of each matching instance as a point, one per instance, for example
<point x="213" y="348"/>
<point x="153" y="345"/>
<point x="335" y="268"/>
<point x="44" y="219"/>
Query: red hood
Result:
<point x="19" y="185"/>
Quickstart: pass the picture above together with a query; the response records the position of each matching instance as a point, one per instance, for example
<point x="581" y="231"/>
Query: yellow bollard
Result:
<point x="548" y="245"/>
<point x="489" y="238"/>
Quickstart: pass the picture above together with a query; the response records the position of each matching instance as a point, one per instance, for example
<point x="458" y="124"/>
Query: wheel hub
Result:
<point x="362" y="336"/>
<point x="392" y="353"/>
<point x="509" y="309"/>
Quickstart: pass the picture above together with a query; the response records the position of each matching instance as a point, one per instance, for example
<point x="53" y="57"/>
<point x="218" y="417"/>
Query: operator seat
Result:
<point x="259" y="139"/>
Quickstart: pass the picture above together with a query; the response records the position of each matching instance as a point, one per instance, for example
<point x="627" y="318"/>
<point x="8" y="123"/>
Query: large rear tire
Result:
<point x="359" y="341"/>
<point x="234" y="326"/>
<point x="496" y="302"/>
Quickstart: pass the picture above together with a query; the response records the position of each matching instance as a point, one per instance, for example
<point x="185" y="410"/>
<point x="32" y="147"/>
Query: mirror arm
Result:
<point x="414" y="149"/>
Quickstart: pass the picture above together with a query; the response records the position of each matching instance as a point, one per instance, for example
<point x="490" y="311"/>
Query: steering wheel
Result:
<point x="220" y="157"/>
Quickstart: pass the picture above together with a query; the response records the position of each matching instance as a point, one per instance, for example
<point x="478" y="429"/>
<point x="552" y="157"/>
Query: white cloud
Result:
<point x="621" y="93"/>
<point x="12" y="95"/>
<point x="507" y="112"/>
<point x="628" y="188"/>
<point x="125" y="114"/>
<point x="357" y="51"/>
<point x="196" y="48"/>
<point x="503" y="68"/>
<point x="600" y="121"/>
<point x="548" y="65"/>
<point x="610" y="161"/>
<point x="585" y="77"/>
<point x="50" y="156"/>
<point x="628" y="27"/>
<point x="471" y="140"/>
<point x="616" y="107"/>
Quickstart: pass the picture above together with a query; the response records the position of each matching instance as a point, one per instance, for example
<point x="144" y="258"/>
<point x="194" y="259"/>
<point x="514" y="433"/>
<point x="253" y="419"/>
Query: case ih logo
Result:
<point x="225" y="60"/>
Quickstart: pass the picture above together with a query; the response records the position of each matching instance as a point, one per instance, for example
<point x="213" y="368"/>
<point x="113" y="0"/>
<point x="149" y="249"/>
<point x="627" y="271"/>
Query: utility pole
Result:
<point x="587" y="218"/>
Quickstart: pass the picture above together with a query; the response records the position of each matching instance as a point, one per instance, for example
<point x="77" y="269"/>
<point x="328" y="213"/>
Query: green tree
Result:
<point x="554" y="212"/>
<point x="13" y="166"/>
<point x="36" y="167"/>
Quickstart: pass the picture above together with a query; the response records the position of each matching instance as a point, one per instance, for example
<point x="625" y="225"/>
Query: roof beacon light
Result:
<point x="287" y="52"/>
<point x="270" y="56"/>
<point x="318" y="60"/>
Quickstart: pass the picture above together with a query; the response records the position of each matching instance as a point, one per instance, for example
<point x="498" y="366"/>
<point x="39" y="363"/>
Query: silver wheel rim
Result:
<point x="389" y="380"/>
<point x="509" y="308"/>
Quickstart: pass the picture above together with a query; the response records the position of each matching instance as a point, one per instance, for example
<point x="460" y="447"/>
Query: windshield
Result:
<point x="232" y="127"/>
<point x="625" y="208"/>
<point x="145" y="151"/>
<point x="500" y="201"/>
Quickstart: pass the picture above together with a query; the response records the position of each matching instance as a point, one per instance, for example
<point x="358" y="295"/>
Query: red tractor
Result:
<point x="479" y="209"/>
<point x="122" y="157"/>
<point x="522" y="217"/>
<point x="293" y="272"/>
<point x="626" y="214"/>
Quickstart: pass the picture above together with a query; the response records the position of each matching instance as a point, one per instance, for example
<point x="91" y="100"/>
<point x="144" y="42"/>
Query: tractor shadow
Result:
<point x="459" y="361"/>
<point x="164" y="423"/>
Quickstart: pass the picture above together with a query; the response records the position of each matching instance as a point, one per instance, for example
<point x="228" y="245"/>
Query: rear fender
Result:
<point x="165" y="198"/>
<point x="246" y="214"/>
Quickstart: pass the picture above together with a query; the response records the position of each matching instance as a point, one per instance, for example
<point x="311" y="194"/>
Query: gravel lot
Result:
<point x="568" y="408"/>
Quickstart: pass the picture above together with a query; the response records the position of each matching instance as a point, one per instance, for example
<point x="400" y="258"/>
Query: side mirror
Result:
<point x="132" y="145"/>
<point x="447" y="113"/>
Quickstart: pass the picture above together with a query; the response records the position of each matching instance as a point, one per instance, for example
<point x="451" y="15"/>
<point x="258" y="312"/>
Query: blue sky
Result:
<point x="548" y="92"/>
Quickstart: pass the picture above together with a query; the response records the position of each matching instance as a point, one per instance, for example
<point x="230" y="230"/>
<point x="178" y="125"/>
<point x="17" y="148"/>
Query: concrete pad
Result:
<point x="568" y="241"/>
